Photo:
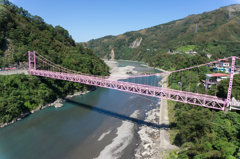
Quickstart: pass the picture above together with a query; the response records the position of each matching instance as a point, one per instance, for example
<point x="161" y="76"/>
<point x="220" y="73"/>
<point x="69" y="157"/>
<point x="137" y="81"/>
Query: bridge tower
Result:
<point x="230" y="81"/>
<point x="32" y="58"/>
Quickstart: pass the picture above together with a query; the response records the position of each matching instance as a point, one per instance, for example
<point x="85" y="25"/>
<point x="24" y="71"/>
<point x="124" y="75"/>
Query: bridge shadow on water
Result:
<point x="117" y="115"/>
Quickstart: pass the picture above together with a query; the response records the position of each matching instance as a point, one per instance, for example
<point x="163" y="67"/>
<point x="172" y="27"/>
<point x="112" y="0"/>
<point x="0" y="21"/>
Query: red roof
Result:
<point x="223" y="60"/>
<point x="218" y="74"/>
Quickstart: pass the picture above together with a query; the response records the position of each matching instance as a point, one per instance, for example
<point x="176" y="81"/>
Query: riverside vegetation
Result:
<point x="21" y="32"/>
<point x="202" y="132"/>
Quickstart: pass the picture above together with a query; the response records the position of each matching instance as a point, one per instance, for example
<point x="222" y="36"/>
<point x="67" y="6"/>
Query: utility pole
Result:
<point x="196" y="28"/>
<point x="229" y="16"/>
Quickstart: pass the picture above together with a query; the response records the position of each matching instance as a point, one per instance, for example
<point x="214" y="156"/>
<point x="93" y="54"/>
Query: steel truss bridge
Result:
<point x="40" y="66"/>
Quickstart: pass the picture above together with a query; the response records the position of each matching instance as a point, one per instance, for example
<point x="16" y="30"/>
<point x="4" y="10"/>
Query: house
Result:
<point x="212" y="79"/>
<point x="226" y="70"/>
<point x="237" y="68"/>
<point x="223" y="63"/>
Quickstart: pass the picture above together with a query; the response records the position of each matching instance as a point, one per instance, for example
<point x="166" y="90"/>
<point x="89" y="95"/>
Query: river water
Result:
<point x="100" y="124"/>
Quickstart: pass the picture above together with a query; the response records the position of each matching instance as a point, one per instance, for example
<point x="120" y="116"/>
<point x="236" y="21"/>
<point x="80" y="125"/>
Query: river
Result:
<point x="100" y="124"/>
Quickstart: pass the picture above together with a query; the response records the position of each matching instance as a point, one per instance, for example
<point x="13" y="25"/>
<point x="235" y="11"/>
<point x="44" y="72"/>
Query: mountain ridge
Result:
<point x="216" y="34"/>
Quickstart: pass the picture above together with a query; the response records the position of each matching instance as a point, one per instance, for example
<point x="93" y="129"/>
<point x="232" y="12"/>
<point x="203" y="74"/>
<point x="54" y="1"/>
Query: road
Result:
<point x="13" y="72"/>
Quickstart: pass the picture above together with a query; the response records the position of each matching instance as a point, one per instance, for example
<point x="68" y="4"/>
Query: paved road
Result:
<point x="164" y="134"/>
<point x="13" y="72"/>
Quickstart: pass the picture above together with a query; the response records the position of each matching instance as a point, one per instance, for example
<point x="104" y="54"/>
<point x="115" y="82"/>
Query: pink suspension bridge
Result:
<point x="142" y="85"/>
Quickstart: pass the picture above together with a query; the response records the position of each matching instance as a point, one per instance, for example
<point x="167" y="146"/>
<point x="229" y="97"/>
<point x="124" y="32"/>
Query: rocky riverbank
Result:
<point x="117" y="73"/>
<point x="149" y="146"/>
<point x="155" y="143"/>
<point x="150" y="139"/>
<point x="57" y="104"/>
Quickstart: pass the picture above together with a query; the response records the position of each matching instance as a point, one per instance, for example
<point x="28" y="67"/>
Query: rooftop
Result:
<point x="217" y="75"/>
<point x="223" y="60"/>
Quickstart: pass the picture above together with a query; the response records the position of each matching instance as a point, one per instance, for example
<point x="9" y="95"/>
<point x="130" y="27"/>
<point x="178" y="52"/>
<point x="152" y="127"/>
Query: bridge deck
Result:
<point x="170" y="94"/>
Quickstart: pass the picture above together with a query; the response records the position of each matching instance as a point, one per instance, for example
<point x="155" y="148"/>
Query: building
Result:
<point x="234" y="104"/>
<point x="226" y="70"/>
<point x="224" y="63"/>
<point x="191" y="52"/>
<point x="212" y="79"/>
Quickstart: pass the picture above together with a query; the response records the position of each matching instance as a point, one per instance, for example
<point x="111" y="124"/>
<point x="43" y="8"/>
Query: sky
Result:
<point x="92" y="19"/>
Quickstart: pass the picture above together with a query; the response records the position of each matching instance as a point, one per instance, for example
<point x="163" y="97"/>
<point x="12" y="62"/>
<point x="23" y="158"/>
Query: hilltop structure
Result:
<point x="191" y="52"/>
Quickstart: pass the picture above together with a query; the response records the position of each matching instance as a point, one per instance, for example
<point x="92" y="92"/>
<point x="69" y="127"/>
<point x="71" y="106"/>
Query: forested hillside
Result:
<point x="216" y="34"/>
<point x="21" y="32"/>
<point x="202" y="132"/>
<point x="25" y="32"/>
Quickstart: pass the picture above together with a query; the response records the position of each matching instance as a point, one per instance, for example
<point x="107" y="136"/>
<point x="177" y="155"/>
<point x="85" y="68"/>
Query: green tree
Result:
<point x="223" y="87"/>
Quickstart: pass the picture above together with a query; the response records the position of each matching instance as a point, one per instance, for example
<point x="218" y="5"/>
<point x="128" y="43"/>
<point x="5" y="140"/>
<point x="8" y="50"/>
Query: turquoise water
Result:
<point x="73" y="130"/>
